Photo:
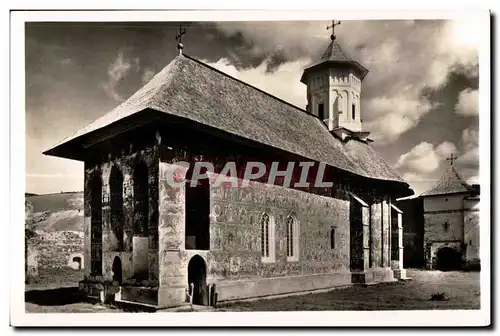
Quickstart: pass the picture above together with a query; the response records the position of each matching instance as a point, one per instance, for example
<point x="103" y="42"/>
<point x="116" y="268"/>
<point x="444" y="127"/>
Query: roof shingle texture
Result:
<point x="335" y="54"/>
<point x="450" y="183"/>
<point x="191" y="89"/>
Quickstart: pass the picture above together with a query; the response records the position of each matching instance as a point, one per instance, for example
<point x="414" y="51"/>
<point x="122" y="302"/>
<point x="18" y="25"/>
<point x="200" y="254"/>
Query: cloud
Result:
<point x="283" y="83"/>
<point x="420" y="166"/>
<point x="147" y="75"/>
<point x="473" y="179"/>
<point x="424" y="158"/>
<point x="445" y="149"/>
<point x="420" y="182"/>
<point x="469" y="158"/>
<point x="470" y="144"/>
<point x="470" y="138"/>
<point x="467" y="104"/>
<point x="406" y="59"/>
<point x="117" y="71"/>
<point x="389" y="126"/>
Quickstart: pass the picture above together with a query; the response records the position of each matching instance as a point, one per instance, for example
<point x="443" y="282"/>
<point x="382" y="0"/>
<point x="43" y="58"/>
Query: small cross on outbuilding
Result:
<point x="452" y="159"/>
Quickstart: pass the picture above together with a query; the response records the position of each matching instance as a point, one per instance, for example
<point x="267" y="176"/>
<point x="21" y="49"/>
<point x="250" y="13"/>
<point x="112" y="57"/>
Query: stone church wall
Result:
<point x="236" y="241"/>
<point x="234" y="261"/>
<point x="124" y="161"/>
<point x="235" y="232"/>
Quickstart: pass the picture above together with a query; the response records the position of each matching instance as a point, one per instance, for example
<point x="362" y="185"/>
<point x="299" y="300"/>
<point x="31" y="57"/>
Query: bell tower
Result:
<point x="334" y="89"/>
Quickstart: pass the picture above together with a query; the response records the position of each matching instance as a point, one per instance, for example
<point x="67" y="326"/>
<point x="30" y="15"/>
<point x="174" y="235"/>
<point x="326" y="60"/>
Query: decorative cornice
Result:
<point x="345" y="134"/>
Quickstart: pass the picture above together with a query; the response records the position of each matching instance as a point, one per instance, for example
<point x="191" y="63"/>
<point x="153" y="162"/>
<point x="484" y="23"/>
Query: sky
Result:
<point x="419" y="100"/>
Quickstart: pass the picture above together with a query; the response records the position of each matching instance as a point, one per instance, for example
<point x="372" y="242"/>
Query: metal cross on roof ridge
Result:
<point x="333" y="29"/>
<point x="178" y="38"/>
<point x="452" y="159"/>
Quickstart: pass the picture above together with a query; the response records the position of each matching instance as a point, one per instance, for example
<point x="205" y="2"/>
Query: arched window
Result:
<point x="265" y="235"/>
<point x="335" y="102"/>
<point x="95" y="225"/>
<point x="116" y="204"/>
<point x="197" y="212"/>
<point x="321" y="111"/>
<point x="344" y="104"/>
<point x="292" y="233"/>
<point x="140" y="243"/>
<point x="332" y="238"/>
<point x="267" y="238"/>
<point x="141" y="201"/>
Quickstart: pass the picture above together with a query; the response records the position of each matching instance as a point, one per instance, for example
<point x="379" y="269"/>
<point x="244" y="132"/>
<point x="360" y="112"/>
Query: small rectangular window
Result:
<point x="321" y="111"/>
<point x="292" y="239"/>
<point x="332" y="238"/>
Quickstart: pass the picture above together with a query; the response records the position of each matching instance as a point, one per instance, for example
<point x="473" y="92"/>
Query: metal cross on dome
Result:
<point x="178" y="38"/>
<point x="333" y="28"/>
<point x="452" y="159"/>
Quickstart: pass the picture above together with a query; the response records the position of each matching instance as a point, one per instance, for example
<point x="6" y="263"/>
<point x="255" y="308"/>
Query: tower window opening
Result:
<point x="332" y="238"/>
<point x="321" y="111"/>
<point x="353" y="112"/>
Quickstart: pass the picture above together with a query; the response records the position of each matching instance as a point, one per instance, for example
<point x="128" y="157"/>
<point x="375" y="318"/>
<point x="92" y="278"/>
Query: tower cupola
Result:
<point x="334" y="88"/>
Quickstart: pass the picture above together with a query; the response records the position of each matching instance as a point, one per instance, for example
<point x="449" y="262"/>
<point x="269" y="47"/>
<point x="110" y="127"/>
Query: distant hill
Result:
<point x="57" y="212"/>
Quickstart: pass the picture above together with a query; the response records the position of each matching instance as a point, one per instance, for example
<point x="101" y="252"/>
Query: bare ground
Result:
<point x="56" y="291"/>
<point x="461" y="290"/>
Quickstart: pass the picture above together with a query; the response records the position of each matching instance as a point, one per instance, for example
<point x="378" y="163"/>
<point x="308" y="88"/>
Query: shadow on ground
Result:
<point x="55" y="297"/>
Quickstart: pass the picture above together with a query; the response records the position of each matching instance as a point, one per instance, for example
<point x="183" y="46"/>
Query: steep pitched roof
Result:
<point x="334" y="55"/>
<point x="450" y="183"/>
<point x="190" y="89"/>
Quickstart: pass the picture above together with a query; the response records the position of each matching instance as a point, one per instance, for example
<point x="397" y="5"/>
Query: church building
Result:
<point x="451" y="223"/>
<point x="150" y="242"/>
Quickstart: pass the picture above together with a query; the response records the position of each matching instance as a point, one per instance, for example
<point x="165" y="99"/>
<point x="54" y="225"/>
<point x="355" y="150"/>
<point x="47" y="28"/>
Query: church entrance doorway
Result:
<point x="197" y="273"/>
<point x="117" y="270"/>
<point x="448" y="259"/>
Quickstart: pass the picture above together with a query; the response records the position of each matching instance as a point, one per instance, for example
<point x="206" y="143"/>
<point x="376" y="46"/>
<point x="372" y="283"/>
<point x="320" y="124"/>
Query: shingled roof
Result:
<point x="450" y="183"/>
<point x="335" y="56"/>
<point x="191" y="89"/>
